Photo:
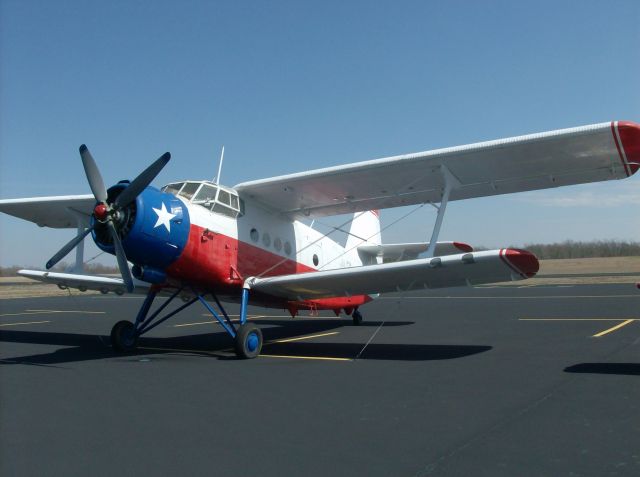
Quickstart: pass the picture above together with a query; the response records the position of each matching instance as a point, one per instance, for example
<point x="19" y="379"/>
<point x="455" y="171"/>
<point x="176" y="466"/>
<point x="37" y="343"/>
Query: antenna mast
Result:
<point x="217" y="179"/>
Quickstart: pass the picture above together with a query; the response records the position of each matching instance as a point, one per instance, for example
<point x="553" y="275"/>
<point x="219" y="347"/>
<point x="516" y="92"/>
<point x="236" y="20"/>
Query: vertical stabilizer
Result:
<point x="365" y="230"/>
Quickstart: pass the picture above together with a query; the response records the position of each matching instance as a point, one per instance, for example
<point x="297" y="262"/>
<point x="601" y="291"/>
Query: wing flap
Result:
<point x="473" y="268"/>
<point x="537" y="161"/>
<point x="57" y="212"/>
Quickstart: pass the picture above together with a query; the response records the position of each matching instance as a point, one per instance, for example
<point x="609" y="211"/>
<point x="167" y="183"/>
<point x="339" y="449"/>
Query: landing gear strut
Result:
<point x="357" y="317"/>
<point x="247" y="337"/>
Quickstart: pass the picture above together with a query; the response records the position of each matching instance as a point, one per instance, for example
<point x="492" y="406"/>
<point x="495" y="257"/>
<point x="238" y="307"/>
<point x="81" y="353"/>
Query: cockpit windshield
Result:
<point x="214" y="197"/>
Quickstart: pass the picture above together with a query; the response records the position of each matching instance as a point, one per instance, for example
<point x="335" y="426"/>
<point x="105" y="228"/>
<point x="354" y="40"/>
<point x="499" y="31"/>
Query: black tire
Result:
<point x="248" y="341"/>
<point x="357" y="317"/>
<point x="123" y="337"/>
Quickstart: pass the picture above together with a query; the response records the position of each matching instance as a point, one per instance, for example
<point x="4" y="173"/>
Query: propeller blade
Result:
<point x="141" y="182"/>
<point x="122" y="258"/>
<point x="67" y="248"/>
<point x="93" y="175"/>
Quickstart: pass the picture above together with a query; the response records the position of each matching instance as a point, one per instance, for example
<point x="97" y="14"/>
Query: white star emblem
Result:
<point x="164" y="217"/>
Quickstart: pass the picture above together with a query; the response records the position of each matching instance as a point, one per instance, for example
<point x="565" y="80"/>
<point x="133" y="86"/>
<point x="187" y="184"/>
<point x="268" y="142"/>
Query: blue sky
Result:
<point x="293" y="85"/>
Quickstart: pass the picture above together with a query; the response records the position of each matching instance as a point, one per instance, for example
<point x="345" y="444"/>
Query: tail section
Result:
<point x="365" y="230"/>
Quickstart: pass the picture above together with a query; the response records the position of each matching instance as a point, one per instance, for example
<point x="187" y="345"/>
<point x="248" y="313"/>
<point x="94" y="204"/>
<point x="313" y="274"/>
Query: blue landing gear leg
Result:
<point x="248" y="337"/>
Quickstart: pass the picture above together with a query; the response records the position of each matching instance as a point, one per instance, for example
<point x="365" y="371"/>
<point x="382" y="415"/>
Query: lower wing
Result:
<point x="473" y="268"/>
<point x="85" y="282"/>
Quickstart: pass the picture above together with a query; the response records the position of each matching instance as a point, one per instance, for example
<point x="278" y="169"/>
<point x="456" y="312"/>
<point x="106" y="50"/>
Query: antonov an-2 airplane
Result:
<point x="198" y="239"/>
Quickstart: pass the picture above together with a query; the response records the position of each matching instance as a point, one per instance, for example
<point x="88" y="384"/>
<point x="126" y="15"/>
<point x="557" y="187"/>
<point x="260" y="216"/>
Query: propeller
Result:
<point x="108" y="214"/>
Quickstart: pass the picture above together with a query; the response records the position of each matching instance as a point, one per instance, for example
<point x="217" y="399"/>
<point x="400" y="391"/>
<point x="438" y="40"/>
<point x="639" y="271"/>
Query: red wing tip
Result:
<point x="463" y="247"/>
<point x="630" y="138"/>
<point x="526" y="262"/>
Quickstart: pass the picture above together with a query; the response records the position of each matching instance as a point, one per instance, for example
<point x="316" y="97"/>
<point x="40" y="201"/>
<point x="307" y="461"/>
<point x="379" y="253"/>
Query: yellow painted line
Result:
<point x="40" y="312"/>
<point x="195" y="351"/>
<point x="318" y="358"/>
<point x="215" y="322"/>
<point x="23" y="313"/>
<point x="288" y="340"/>
<point x="545" y="297"/>
<point x="575" y="319"/>
<point x="614" y="328"/>
<point x="26" y="323"/>
<point x="253" y="317"/>
<point x="174" y="350"/>
<point x="69" y="311"/>
<point x="195" y="324"/>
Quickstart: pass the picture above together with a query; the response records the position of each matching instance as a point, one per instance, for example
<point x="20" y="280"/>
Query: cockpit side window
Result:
<point x="224" y="197"/>
<point x="173" y="188"/>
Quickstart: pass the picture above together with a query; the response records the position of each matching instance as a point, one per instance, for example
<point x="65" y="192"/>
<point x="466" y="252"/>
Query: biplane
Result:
<point x="201" y="241"/>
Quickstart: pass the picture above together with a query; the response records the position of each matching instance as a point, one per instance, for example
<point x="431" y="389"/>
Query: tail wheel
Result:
<point x="248" y="341"/>
<point x="123" y="336"/>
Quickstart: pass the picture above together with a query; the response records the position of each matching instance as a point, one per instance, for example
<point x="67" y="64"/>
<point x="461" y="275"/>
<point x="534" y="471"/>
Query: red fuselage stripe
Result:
<point x="221" y="263"/>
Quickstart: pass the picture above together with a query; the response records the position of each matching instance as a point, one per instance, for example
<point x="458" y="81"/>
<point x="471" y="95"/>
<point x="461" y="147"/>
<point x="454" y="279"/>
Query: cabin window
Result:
<point x="287" y="248"/>
<point x="255" y="236"/>
<point x="266" y="239"/>
<point x="277" y="243"/>
<point x="316" y="261"/>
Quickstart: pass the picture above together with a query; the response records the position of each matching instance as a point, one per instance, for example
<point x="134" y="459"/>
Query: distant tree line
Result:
<point x="571" y="249"/>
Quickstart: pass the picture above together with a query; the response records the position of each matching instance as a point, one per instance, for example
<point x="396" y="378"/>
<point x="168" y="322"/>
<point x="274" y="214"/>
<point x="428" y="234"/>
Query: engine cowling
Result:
<point x="154" y="228"/>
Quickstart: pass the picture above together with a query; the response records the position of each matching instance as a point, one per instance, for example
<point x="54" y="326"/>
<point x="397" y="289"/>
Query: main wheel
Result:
<point x="123" y="336"/>
<point x="248" y="341"/>
<point x="357" y="317"/>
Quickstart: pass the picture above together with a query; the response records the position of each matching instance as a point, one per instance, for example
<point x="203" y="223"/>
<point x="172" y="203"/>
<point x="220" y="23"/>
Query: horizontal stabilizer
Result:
<point x="473" y="268"/>
<point x="393" y="252"/>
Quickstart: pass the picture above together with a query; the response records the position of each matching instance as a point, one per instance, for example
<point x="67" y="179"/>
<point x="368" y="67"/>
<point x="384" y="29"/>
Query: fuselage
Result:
<point x="202" y="235"/>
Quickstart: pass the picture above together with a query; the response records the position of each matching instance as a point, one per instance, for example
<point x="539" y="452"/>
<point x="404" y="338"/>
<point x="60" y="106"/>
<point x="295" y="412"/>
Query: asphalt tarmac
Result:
<point x="504" y="381"/>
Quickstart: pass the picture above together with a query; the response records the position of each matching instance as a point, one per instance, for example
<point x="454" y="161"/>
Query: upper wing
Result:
<point x="57" y="212"/>
<point x="569" y="156"/>
<point x="472" y="268"/>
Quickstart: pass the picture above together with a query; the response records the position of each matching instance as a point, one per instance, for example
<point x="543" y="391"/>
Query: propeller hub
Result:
<point x="101" y="212"/>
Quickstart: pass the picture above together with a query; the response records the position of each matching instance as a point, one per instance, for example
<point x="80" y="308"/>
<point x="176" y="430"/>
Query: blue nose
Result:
<point x="155" y="230"/>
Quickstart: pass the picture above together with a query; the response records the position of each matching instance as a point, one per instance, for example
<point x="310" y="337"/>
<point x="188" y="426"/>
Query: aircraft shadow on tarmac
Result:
<point x="627" y="369"/>
<point x="84" y="347"/>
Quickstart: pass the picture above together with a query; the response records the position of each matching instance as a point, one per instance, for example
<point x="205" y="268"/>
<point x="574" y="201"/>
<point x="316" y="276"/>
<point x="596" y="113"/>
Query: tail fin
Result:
<point x="365" y="229"/>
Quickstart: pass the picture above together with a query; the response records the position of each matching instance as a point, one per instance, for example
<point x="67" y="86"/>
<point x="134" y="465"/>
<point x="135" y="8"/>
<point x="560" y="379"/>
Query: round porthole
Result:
<point x="266" y="239"/>
<point x="255" y="236"/>
<point x="287" y="248"/>
<point x="315" y="260"/>
<point x="277" y="243"/>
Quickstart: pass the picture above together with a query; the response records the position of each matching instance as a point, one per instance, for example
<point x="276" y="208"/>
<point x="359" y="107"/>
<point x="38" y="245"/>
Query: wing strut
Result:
<point x="451" y="182"/>
<point x="82" y="222"/>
